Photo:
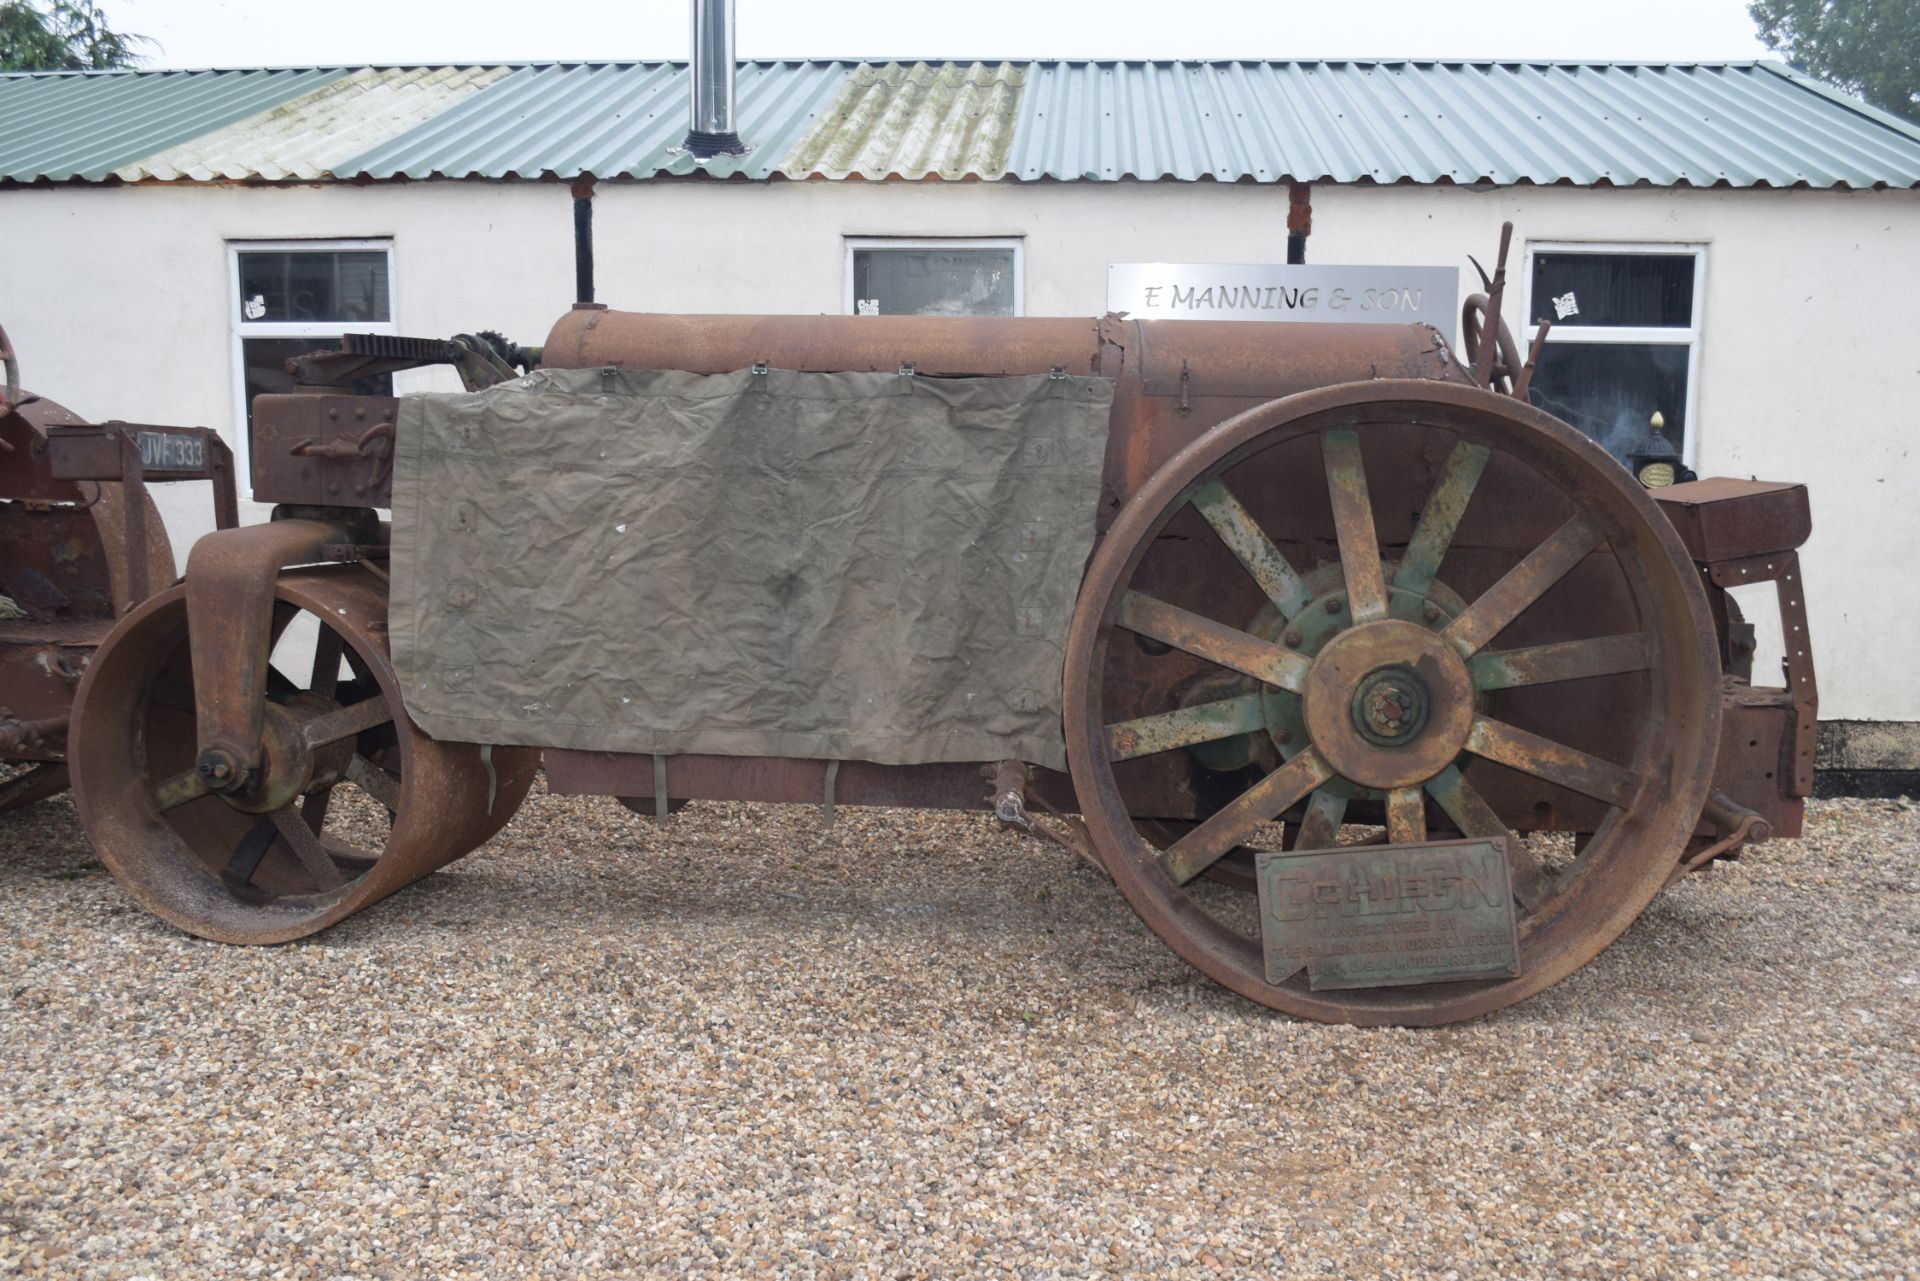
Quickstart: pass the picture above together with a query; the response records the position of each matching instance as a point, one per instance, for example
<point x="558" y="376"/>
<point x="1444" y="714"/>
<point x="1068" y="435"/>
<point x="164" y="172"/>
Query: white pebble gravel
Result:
<point x="913" y="1045"/>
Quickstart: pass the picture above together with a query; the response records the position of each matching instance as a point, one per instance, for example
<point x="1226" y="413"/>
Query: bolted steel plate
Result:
<point x="1388" y="915"/>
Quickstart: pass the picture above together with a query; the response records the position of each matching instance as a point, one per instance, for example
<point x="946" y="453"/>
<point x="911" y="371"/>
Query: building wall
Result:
<point x="117" y="301"/>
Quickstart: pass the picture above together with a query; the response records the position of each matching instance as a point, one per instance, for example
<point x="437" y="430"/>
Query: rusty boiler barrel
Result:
<point x="1173" y="378"/>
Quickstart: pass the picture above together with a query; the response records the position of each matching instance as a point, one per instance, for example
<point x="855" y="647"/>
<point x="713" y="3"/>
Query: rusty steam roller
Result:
<point x="1306" y="635"/>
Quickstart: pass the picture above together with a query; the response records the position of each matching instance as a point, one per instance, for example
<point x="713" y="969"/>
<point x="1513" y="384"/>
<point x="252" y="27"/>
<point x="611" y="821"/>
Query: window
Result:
<point x="887" y="277"/>
<point x="1625" y="342"/>
<point x="292" y="297"/>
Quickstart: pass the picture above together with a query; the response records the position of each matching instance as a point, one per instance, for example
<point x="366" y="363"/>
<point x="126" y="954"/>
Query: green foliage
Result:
<point x="1867" y="47"/>
<point x="61" y="35"/>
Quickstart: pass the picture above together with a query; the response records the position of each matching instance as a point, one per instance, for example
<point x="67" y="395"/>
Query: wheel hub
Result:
<point x="1389" y="703"/>
<point x="1390" y="707"/>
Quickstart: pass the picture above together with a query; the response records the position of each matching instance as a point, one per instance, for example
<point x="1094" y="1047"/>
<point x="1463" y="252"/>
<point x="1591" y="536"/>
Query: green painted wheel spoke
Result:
<point x="179" y="789"/>
<point x="1265" y="801"/>
<point x="1522" y="585"/>
<point x="1202" y="723"/>
<point x="1353" y="525"/>
<point x="1440" y="518"/>
<point x="1565" y="661"/>
<point x="1216" y="642"/>
<point x="1251" y="547"/>
<point x="1320" y="829"/>
<point x="1406" y="816"/>
<point x="1474" y="817"/>
<point x="1556" y="762"/>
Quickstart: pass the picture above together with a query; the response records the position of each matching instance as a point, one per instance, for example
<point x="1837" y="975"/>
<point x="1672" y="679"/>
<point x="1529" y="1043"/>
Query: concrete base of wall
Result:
<point x="1868" y="758"/>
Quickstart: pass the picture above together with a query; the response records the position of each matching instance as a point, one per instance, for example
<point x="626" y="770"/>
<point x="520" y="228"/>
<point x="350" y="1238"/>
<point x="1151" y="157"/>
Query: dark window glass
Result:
<point x="1611" y="391"/>
<point x="266" y="368"/>
<point x="309" y="285"/>
<point x="1613" y="289"/>
<point x="933" y="282"/>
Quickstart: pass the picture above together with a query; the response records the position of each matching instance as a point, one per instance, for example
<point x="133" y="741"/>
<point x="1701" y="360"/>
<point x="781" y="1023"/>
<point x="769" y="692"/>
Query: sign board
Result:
<point x="1313" y="294"/>
<point x="1382" y="915"/>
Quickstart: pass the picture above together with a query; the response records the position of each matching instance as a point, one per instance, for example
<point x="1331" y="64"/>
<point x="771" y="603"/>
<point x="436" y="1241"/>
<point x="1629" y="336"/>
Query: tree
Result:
<point x="1870" y="48"/>
<point x="62" y="35"/>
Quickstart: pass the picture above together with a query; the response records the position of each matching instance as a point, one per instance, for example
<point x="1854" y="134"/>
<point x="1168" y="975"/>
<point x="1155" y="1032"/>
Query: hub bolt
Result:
<point x="1431" y="613"/>
<point x="1333" y="604"/>
<point x="1292" y="638"/>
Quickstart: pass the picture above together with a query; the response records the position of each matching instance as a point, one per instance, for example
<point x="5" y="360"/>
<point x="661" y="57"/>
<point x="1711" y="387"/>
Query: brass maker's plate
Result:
<point x="1388" y="915"/>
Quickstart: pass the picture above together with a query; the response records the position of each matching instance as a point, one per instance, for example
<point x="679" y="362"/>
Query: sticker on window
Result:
<point x="1565" y="305"/>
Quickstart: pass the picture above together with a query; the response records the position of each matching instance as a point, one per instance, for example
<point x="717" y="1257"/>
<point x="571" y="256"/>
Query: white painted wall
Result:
<point x="116" y="299"/>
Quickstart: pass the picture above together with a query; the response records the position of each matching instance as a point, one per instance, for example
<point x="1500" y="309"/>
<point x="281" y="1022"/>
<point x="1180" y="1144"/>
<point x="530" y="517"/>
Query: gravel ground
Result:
<point x="915" y="1046"/>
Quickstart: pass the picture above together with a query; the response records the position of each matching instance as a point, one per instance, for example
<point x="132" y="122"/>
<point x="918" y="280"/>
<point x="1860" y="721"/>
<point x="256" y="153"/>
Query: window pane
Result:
<point x="305" y="285"/>
<point x="1612" y="390"/>
<point x="933" y="282"/>
<point x="1613" y="289"/>
<point x="266" y="368"/>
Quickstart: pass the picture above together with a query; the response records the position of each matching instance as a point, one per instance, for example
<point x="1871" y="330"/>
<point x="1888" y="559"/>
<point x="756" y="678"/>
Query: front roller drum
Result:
<point x="355" y="803"/>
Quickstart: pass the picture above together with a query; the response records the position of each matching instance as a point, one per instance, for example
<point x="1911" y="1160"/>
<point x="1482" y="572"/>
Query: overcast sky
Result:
<point x="235" y="33"/>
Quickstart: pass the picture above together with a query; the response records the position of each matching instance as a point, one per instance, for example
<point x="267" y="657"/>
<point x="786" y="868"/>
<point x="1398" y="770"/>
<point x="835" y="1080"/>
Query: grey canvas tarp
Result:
<point x="845" y="566"/>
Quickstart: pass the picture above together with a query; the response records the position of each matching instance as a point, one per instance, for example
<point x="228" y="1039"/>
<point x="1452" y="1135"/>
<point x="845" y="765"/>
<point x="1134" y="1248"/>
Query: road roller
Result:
<point x="1382" y="695"/>
<point x="81" y="544"/>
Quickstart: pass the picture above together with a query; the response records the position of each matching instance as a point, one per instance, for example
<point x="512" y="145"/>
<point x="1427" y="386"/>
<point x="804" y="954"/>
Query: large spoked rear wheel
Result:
<point x="1394" y="604"/>
<point x="359" y="801"/>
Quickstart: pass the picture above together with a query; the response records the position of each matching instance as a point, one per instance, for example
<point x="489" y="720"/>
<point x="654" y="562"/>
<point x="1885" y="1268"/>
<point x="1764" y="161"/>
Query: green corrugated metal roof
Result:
<point x="63" y="126"/>
<point x="1723" y="124"/>
<point x="308" y="136"/>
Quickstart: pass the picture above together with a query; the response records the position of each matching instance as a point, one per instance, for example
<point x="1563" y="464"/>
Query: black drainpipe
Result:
<point x="583" y="240"/>
<point x="1299" y="221"/>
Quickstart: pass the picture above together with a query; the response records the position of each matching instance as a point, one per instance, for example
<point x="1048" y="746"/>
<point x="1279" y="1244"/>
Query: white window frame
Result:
<point x="241" y="328"/>
<point x="1665" y="335"/>
<point x="1015" y="243"/>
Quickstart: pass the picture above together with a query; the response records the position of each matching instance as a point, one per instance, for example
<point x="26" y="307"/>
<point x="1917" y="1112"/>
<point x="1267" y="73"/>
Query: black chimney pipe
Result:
<point x="583" y="239"/>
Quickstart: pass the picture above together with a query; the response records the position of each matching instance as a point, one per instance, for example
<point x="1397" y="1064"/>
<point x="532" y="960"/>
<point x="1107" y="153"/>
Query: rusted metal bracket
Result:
<point x="1008" y="800"/>
<point x="374" y="444"/>
<point x="1737" y="826"/>
<point x="229" y="580"/>
<point x="1782" y="569"/>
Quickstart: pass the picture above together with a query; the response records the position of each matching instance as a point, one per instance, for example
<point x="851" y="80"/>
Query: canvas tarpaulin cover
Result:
<point x="849" y="566"/>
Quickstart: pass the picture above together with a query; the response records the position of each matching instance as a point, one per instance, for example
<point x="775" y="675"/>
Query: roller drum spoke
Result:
<point x="327" y="649"/>
<point x="306" y="848"/>
<point x="345" y="722"/>
<point x="375" y="782"/>
<point x="179" y="789"/>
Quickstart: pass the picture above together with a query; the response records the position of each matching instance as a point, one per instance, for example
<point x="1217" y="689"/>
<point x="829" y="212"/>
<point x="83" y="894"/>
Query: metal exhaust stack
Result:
<point x="712" y="132"/>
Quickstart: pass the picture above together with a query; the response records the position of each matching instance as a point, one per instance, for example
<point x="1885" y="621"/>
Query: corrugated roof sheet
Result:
<point x="84" y="125"/>
<point x="308" y="136"/>
<point x="1731" y="124"/>
<point x="610" y="120"/>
